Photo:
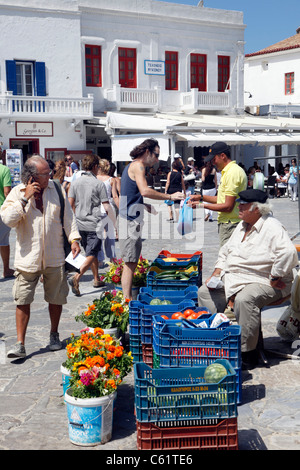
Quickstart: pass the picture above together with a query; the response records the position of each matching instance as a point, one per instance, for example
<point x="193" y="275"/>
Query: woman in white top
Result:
<point x="105" y="229"/>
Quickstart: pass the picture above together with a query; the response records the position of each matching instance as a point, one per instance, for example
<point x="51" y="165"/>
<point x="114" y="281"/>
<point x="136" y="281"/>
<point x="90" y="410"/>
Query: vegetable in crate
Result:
<point x="214" y="373"/>
<point x="160" y="302"/>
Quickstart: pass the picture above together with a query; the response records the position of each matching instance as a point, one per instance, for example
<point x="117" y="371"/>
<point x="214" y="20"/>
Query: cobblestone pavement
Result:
<point x="33" y="413"/>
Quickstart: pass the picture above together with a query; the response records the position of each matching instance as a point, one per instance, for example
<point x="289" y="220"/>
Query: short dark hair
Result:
<point x="148" y="144"/>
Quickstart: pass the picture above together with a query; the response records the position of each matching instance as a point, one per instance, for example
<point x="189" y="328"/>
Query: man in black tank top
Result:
<point x="134" y="188"/>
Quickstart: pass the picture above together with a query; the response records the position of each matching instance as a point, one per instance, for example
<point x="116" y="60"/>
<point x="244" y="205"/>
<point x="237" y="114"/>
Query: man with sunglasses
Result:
<point x="134" y="188"/>
<point x="33" y="209"/>
<point x="233" y="180"/>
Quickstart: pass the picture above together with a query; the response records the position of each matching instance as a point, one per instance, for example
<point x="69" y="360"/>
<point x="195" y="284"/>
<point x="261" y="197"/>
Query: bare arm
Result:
<point x="138" y="172"/>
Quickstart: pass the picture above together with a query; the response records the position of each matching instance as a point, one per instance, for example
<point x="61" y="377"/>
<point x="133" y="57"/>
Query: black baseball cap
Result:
<point x="252" y="195"/>
<point x="216" y="149"/>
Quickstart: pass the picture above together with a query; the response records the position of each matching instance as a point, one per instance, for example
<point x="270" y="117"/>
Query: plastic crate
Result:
<point x="135" y="346"/>
<point x="175" y="346"/>
<point x="222" y="435"/>
<point x="135" y="309"/>
<point x="173" y="284"/>
<point x="147" y="319"/>
<point x="147" y="294"/>
<point x="181" y="256"/>
<point x="182" y="347"/>
<point x="147" y="353"/>
<point x="158" y="322"/>
<point x="181" y="395"/>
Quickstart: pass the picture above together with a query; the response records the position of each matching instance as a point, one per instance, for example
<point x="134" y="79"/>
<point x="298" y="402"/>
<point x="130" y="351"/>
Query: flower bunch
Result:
<point x="114" y="273"/>
<point x="98" y="364"/>
<point x="111" y="310"/>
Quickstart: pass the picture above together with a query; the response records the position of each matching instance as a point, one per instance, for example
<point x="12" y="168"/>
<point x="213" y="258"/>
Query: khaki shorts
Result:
<point x="130" y="240"/>
<point x="54" y="282"/>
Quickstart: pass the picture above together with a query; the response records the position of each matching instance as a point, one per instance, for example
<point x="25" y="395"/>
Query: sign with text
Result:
<point x="34" y="129"/>
<point x="154" y="67"/>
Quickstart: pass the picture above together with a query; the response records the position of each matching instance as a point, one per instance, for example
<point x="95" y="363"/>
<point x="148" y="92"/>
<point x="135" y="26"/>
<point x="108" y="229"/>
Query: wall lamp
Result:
<point x="250" y="95"/>
<point x="10" y="123"/>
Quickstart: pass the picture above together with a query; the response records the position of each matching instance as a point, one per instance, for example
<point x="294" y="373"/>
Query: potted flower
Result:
<point x="114" y="274"/>
<point x="98" y="365"/>
<point x="110" y="311"/>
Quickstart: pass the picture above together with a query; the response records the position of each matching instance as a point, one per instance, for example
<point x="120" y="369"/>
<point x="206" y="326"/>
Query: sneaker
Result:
<point x="74" y="285"/>
<point x="18" y="350"/>
<point x="55" y="343"/>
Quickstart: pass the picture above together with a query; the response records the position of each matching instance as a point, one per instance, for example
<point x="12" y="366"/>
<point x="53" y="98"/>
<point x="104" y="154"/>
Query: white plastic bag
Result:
<point x="288" y="325"/>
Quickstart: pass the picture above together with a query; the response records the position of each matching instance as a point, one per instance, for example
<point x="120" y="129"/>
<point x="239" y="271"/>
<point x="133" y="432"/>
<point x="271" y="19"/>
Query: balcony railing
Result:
<point x="135" y="98"/>
<point x="195" y="100"/>
<point x="26" y="106"/>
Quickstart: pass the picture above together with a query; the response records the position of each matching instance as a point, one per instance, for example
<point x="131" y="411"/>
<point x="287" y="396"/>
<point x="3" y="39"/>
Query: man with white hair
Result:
<point x="255" y="266"/>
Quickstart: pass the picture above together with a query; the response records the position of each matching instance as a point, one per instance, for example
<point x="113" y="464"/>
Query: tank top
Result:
<point x="209" y="182"/>
<point x="175" y="182"/>
<point x="131" y="200"/>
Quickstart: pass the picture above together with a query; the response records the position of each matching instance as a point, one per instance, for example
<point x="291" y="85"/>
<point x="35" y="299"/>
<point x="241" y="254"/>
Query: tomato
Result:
<point x="188" y="312"/>
<point x="165" y="317"/>
<point x="202" y="312"/>
<point x="177" y="315"/>
<point x="193" y="316"/>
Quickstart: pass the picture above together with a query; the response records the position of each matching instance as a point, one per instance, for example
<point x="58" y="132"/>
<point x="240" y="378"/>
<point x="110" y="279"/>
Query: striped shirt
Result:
<point x="39" y="241"/>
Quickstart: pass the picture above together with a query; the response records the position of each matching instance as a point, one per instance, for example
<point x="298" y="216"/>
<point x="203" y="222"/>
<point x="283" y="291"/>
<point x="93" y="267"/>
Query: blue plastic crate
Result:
<point x="181" y="347"/>
<point x="147" y="319"/>
<point x="181" y="256"/>
<point x="135" y="346"/>
<point x="174" y="346"/>
<point x="174" y="296"/>
<point x="173" y="284"/>
<point x="135" y="308"/>
<point x="158" y="321"/>
<point x="181" y="395"/>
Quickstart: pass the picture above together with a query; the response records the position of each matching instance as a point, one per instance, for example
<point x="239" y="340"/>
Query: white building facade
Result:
<point x="66" y="64"/>
<point x="272" y="89"/>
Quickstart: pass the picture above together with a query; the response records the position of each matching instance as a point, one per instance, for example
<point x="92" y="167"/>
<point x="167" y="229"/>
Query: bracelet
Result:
<point x="24" y="199"/>
<point x="170" y="197"/>
<point x="75" y="240"/>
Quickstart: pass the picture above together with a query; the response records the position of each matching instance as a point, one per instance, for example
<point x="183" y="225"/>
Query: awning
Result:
<point x="206" y="139"/>
<point x="277" y="139"/>
<point x="121" y="145"/>
<point x="138" y="122"/>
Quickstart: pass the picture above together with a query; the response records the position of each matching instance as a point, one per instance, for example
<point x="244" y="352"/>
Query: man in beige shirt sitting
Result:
<point x="33" y="209"/>
<point x="255" y="266"/>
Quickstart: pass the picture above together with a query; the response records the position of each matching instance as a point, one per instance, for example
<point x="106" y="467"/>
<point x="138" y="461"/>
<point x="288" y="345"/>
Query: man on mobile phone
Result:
<point x="33" y="209"/>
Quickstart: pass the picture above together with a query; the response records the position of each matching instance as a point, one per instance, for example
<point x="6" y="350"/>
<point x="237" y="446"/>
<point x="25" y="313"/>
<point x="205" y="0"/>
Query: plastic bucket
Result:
<point x="66" y="373"/>
<point x="90" y="419"/>
<point x="135" y="291"/>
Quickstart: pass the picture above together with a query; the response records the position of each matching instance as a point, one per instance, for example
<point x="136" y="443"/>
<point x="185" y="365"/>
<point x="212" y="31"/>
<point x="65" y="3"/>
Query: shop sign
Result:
<point x="34" y="129"/>
<point x="154" y="67"/>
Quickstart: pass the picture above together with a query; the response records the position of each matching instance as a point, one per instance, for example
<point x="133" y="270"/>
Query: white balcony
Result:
<point x="45" y="107"/>
<point x="118" y="98"/>
<point x="195" y="100"/>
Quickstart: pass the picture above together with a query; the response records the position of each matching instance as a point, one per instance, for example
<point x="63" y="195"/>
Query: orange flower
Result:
<point x="111" y="383"/>
<point x="119" y="351"/>
<point x="98" y="331"/>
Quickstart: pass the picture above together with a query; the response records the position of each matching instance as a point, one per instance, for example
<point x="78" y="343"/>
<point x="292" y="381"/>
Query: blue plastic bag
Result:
<point x="185" y="221"/>
<point x="169" y="202"/>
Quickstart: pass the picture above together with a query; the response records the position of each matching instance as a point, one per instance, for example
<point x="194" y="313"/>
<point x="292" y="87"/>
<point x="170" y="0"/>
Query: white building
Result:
<point x="272" y="89"/>
<point x="79" y="75"/>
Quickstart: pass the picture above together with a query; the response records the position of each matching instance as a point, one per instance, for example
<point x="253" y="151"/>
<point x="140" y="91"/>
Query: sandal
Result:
<point x="99" y="284"/>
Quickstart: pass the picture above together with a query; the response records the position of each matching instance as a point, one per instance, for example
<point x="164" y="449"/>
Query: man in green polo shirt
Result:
<point x="5" y="187"/>
<point x="233" y="181"/>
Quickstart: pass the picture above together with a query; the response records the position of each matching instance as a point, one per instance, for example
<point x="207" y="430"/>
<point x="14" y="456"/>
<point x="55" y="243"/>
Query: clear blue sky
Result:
<point x="267" y="21"/>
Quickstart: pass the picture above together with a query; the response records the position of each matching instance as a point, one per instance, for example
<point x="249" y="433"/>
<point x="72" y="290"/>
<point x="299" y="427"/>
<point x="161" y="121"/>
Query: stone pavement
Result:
<point x="33" y="414"/>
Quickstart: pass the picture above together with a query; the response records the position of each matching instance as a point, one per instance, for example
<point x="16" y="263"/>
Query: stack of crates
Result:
<point x="186" y="344"/>
<point x="177" y="409"/>
<point x="141" y="312"/>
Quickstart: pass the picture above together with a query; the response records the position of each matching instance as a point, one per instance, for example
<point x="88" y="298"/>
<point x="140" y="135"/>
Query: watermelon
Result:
<point x="166" y="302"/>
<point x="214" y="373"/>
<point x="155" y="302"/>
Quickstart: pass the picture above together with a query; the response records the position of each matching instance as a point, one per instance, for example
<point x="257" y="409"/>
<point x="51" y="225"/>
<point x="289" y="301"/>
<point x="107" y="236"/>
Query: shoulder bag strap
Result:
<point x="62" y="201"/>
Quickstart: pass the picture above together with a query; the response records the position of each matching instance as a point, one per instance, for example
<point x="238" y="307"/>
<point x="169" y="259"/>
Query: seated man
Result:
<point x="256" y="267"/>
